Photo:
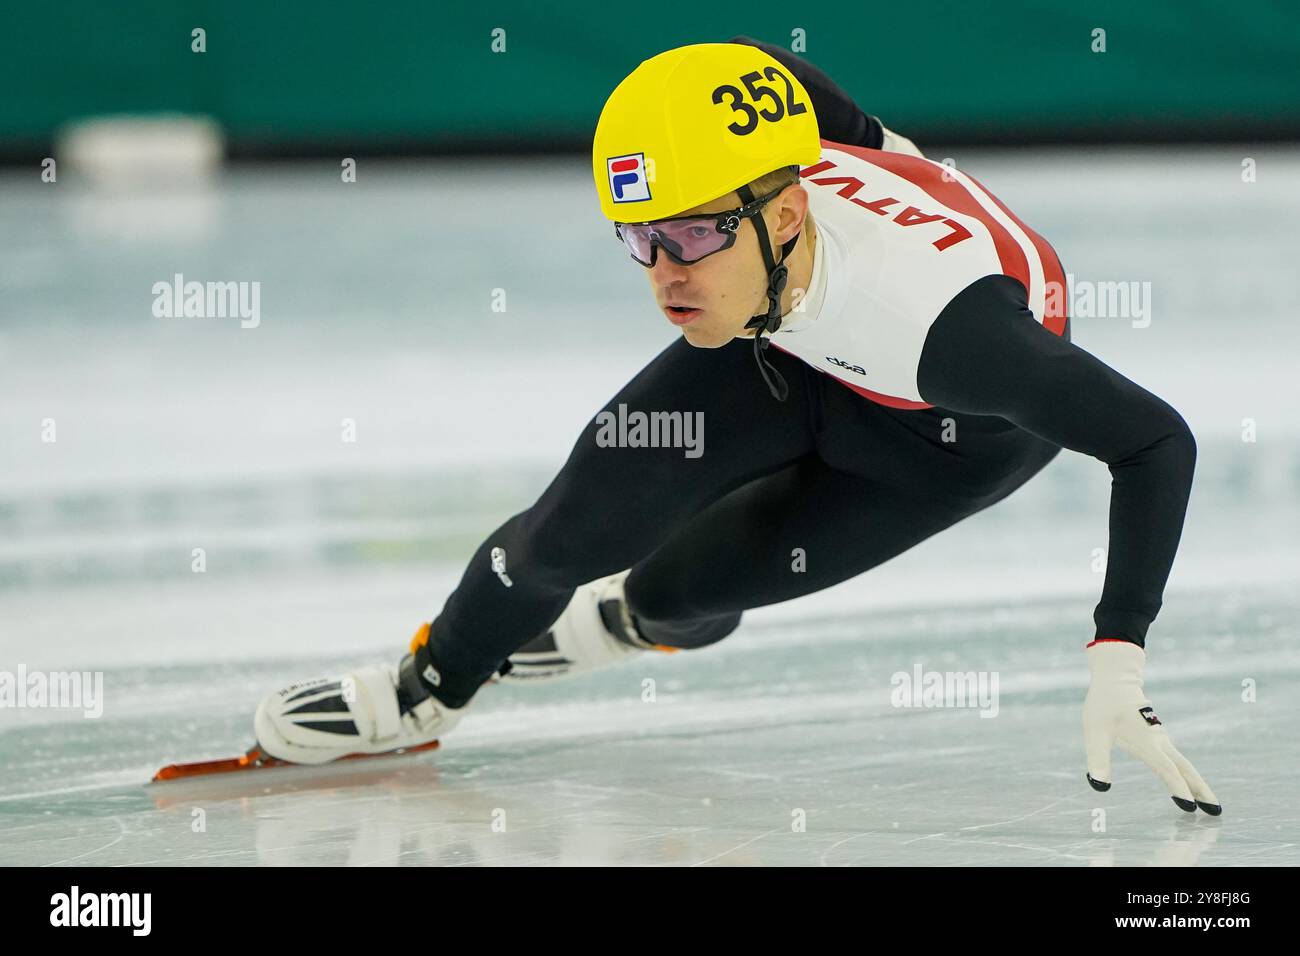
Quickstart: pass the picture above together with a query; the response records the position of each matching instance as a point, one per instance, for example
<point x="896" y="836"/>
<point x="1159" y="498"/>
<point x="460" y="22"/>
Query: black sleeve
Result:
<point x="987" y="355"/>
<point x="838" y="118"/>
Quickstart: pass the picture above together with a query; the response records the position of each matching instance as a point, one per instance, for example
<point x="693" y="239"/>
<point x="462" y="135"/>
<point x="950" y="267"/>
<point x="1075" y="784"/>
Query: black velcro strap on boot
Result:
<point x="617" y="620"/>
<point x="410" y="689"/>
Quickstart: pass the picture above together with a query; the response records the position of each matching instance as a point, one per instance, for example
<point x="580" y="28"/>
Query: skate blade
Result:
<point x="258" y="759"/>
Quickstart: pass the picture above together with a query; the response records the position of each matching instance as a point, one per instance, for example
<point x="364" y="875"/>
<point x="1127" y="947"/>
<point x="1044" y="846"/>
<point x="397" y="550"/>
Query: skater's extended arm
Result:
<point x="987" y="355"/>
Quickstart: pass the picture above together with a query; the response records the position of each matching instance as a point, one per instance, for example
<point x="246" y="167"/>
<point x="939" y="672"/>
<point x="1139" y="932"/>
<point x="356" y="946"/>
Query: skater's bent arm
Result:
<point x="987" y="355"/>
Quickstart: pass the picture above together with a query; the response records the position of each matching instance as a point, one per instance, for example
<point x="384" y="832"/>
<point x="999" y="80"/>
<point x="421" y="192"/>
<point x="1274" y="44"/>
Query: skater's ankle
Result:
<point x="420" y="677"/>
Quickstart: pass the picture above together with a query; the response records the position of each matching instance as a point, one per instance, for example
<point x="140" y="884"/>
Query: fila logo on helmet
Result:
<point x="627" y="178"/>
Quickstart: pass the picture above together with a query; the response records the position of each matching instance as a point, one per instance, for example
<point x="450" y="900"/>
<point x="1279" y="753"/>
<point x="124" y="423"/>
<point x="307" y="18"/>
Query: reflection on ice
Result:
<point x="777" y="746"/>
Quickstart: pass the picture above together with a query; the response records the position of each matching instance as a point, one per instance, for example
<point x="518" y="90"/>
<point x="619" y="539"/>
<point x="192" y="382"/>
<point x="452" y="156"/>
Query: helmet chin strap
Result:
<point x="770" y="321"/>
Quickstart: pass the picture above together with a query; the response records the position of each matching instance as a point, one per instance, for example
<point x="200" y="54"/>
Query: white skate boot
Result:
<point x="594" y="631"/>
<point x="375" y="709"/>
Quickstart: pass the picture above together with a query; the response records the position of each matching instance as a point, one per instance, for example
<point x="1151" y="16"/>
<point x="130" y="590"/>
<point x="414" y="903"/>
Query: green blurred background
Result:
<point x="418" y="76"/>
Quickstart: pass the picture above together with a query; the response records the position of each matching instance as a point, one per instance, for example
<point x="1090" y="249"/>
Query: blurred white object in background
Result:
<point x="141" y="178"/>
<point x="130" y="150"/>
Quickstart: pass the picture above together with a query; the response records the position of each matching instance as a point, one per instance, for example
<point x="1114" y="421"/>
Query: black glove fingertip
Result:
<point x="1097" y="784"/>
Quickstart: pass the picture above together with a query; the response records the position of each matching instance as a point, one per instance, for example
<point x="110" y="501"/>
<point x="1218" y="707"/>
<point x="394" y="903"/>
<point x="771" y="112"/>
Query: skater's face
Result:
<point x="727" y="289"/>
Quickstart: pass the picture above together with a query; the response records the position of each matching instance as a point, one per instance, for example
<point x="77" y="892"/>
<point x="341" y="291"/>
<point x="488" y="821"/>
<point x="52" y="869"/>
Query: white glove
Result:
<point x="1117" y="712"/>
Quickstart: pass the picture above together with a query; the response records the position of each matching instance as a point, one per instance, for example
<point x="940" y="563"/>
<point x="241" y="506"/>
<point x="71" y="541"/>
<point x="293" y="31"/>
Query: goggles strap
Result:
<point x="777" y="274"/>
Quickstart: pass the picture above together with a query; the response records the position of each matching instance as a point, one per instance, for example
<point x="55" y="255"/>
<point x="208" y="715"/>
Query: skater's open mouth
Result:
<point x="680" y="314"/>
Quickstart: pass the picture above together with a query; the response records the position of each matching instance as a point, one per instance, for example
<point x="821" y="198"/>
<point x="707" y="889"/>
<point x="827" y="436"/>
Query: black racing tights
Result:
<point x="785" y="499"/>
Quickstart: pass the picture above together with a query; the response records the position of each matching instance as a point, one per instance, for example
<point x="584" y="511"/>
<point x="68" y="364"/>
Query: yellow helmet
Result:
<point x="695" y="123"/>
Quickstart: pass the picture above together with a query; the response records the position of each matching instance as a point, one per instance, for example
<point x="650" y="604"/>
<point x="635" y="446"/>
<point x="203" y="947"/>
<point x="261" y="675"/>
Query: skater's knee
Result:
<point x="665" y="616"/>
<point x="559" y="555"/>
<point x="687" y="634"/>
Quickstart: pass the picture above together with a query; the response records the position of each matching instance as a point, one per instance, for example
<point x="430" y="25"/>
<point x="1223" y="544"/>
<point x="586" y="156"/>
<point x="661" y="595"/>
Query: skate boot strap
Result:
<point x="621" y="622"/>
<point x="375" y="682"/>
<point x="618" y="620"/>
<point x="411" y="691"/>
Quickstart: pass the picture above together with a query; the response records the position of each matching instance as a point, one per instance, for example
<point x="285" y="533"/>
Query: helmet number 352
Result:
<point x="745" y="106"/>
